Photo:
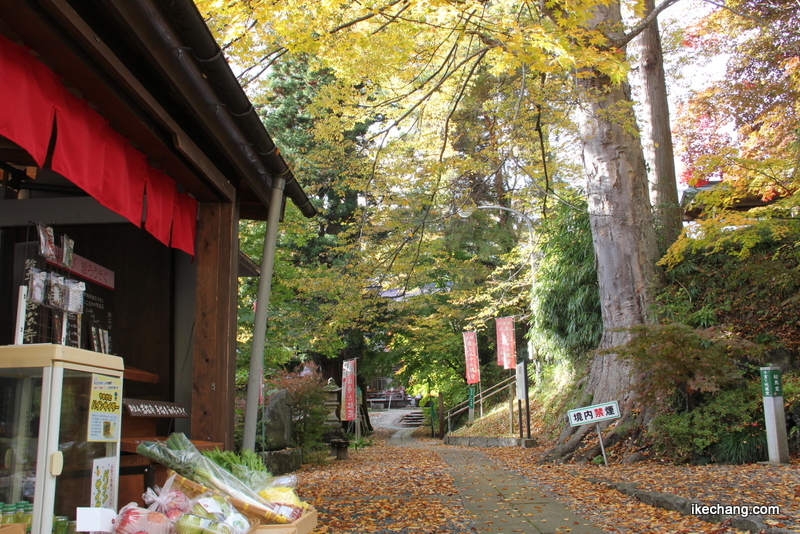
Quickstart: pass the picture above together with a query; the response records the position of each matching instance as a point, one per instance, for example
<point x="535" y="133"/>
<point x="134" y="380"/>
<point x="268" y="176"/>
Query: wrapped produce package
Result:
<point x="169" y="500"/>
<point x="133" y="520"/>
<point x="179" y="454"/>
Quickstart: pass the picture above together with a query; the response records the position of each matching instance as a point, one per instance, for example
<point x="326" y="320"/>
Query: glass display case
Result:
<point x="60" y="418"/>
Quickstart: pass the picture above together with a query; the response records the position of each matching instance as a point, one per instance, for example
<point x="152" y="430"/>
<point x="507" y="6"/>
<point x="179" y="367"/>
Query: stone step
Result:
<point x="413" y="419"/>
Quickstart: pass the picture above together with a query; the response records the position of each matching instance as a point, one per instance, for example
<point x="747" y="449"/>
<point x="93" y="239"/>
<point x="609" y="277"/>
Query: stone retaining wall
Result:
<point x="472" y="441"/>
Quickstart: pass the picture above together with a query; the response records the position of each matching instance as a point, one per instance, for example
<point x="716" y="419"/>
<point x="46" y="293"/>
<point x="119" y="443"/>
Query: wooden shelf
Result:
<point x="138" y="375"/>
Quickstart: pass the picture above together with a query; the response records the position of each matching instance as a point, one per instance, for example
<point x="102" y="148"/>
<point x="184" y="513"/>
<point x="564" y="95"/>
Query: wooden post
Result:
<point x="471" y="404"/>
<point x="602" y="447"/>
<point x="441" y="416"/>
<point x="214" y="355"/>
<point x="774" y="418"/>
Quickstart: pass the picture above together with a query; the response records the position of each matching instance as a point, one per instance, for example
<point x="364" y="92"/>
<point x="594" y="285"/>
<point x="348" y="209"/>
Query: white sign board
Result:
<point x="593" y="414"/>
<point x="521" y="393"/>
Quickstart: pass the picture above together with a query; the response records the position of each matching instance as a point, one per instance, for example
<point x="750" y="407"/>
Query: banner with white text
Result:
<point x="506" y="344"/>
<point x="471" y="355"/>
<point x="349" y="390"/>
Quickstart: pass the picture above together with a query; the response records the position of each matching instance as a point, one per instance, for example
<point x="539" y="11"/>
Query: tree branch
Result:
<point x="275" y="56"/>
<point x="645" y="22"/>
<point x="737" y="13"/>
<point x="481" y="52"/>
<point x="366" y="17"/>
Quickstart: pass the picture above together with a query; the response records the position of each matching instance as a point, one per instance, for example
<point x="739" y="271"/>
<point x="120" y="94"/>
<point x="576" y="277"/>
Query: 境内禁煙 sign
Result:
<point x="593" y="414"/>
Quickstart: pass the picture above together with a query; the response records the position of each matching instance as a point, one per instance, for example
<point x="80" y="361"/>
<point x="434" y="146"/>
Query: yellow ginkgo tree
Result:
<point x="408" y="67"/>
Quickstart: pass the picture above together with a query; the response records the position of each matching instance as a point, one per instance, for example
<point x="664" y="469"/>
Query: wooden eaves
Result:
<point x="157" y="60"/>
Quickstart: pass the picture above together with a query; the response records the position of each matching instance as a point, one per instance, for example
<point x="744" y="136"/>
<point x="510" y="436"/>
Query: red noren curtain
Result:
<point x="161" y="194"/>
<point x="28" y="90"/>
<point x="87" y="151"/>
<point x="184" y="223"/>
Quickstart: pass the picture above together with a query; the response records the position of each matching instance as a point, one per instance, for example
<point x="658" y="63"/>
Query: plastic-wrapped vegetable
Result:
<point x="247" y="466"/>
<point x="168" y="500"/>
<point x="180" y="455"/>
<point x="194" y="524"/>
<point x="282" y="495"/>
<point x="284" y="481"/>
<point x="218" y="508"/>
<point x="133" y="520"/>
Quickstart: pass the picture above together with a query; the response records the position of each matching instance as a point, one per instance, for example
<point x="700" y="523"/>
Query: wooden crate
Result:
<point x="304" y="525"/>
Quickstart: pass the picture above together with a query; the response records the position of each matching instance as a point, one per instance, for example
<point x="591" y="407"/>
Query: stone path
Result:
<point x="499" y="500"/>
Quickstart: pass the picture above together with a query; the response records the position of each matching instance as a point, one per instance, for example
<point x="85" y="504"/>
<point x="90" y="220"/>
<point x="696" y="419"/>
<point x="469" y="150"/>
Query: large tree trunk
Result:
<point x="657" y="137"/>
<point x="622" y="227"/>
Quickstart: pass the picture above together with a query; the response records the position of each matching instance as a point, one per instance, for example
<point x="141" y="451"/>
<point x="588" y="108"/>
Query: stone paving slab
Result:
<point x="502" y="502"/>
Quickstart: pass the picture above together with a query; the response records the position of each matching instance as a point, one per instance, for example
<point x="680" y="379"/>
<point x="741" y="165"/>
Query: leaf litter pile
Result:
<point x="384" y="489"/>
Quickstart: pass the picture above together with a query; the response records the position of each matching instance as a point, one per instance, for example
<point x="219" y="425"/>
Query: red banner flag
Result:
<point x="506" y="344"/>
<point x="349" y="390"/>
<point x="471" y="354"/>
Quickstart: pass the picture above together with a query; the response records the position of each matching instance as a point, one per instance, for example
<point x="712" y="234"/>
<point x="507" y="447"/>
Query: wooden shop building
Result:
<point x="123" y="128"/>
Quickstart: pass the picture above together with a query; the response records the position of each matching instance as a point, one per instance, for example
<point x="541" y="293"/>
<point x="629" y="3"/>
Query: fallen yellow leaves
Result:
<point x="753" y="484"/>
<point x="409" y="490"/>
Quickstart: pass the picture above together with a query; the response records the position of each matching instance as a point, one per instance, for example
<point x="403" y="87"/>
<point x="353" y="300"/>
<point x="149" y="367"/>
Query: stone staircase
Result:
<point x="411" y="420"/>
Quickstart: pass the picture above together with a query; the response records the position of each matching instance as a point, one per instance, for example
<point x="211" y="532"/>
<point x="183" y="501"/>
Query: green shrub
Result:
<point x="675" y="356"/>
<point x="745" y="446"/>
<point x="359" y="443"/>
<point x="694" y="435"/>
<point x="307" y="402"/>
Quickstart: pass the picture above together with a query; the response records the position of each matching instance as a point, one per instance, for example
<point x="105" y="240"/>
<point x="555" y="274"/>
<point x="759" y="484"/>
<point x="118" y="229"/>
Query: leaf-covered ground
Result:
<point x="713" y="484"/>
<point x="384" y="489"/>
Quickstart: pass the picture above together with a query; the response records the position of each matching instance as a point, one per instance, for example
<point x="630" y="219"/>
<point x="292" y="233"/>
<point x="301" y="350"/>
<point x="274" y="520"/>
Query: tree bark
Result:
<point x="621" y="221"/>
<point x="619" y="212"/>
<point x="622" y="226"/>
<point x="657" y="137"/>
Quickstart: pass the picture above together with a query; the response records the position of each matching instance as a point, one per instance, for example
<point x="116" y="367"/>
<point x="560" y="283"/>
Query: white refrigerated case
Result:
<point x="60" y="419"/>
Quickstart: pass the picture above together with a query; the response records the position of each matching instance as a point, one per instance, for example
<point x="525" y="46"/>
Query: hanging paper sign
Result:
<point x="105" y="408"/>
<point x="471" y="354"/>
<point x="103" y="477"/>
<point x="506" y="344"/>
<point x="349" y="390"/>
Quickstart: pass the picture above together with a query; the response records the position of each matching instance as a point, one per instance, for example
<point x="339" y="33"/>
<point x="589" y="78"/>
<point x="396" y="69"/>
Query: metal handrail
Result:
<point x="485" y="393"/>
<point x="480" y="397"/>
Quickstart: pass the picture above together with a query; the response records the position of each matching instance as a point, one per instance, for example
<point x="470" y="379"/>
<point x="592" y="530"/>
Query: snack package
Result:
<point x="133" y="520"/>
<point x="55" y="290"/>
<point x="47" y="242"/>
<point x="73" y="299"/>
<point x="37" y="286"/>
<point x="67" y="248"/>
<point x="168" y="500"/>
